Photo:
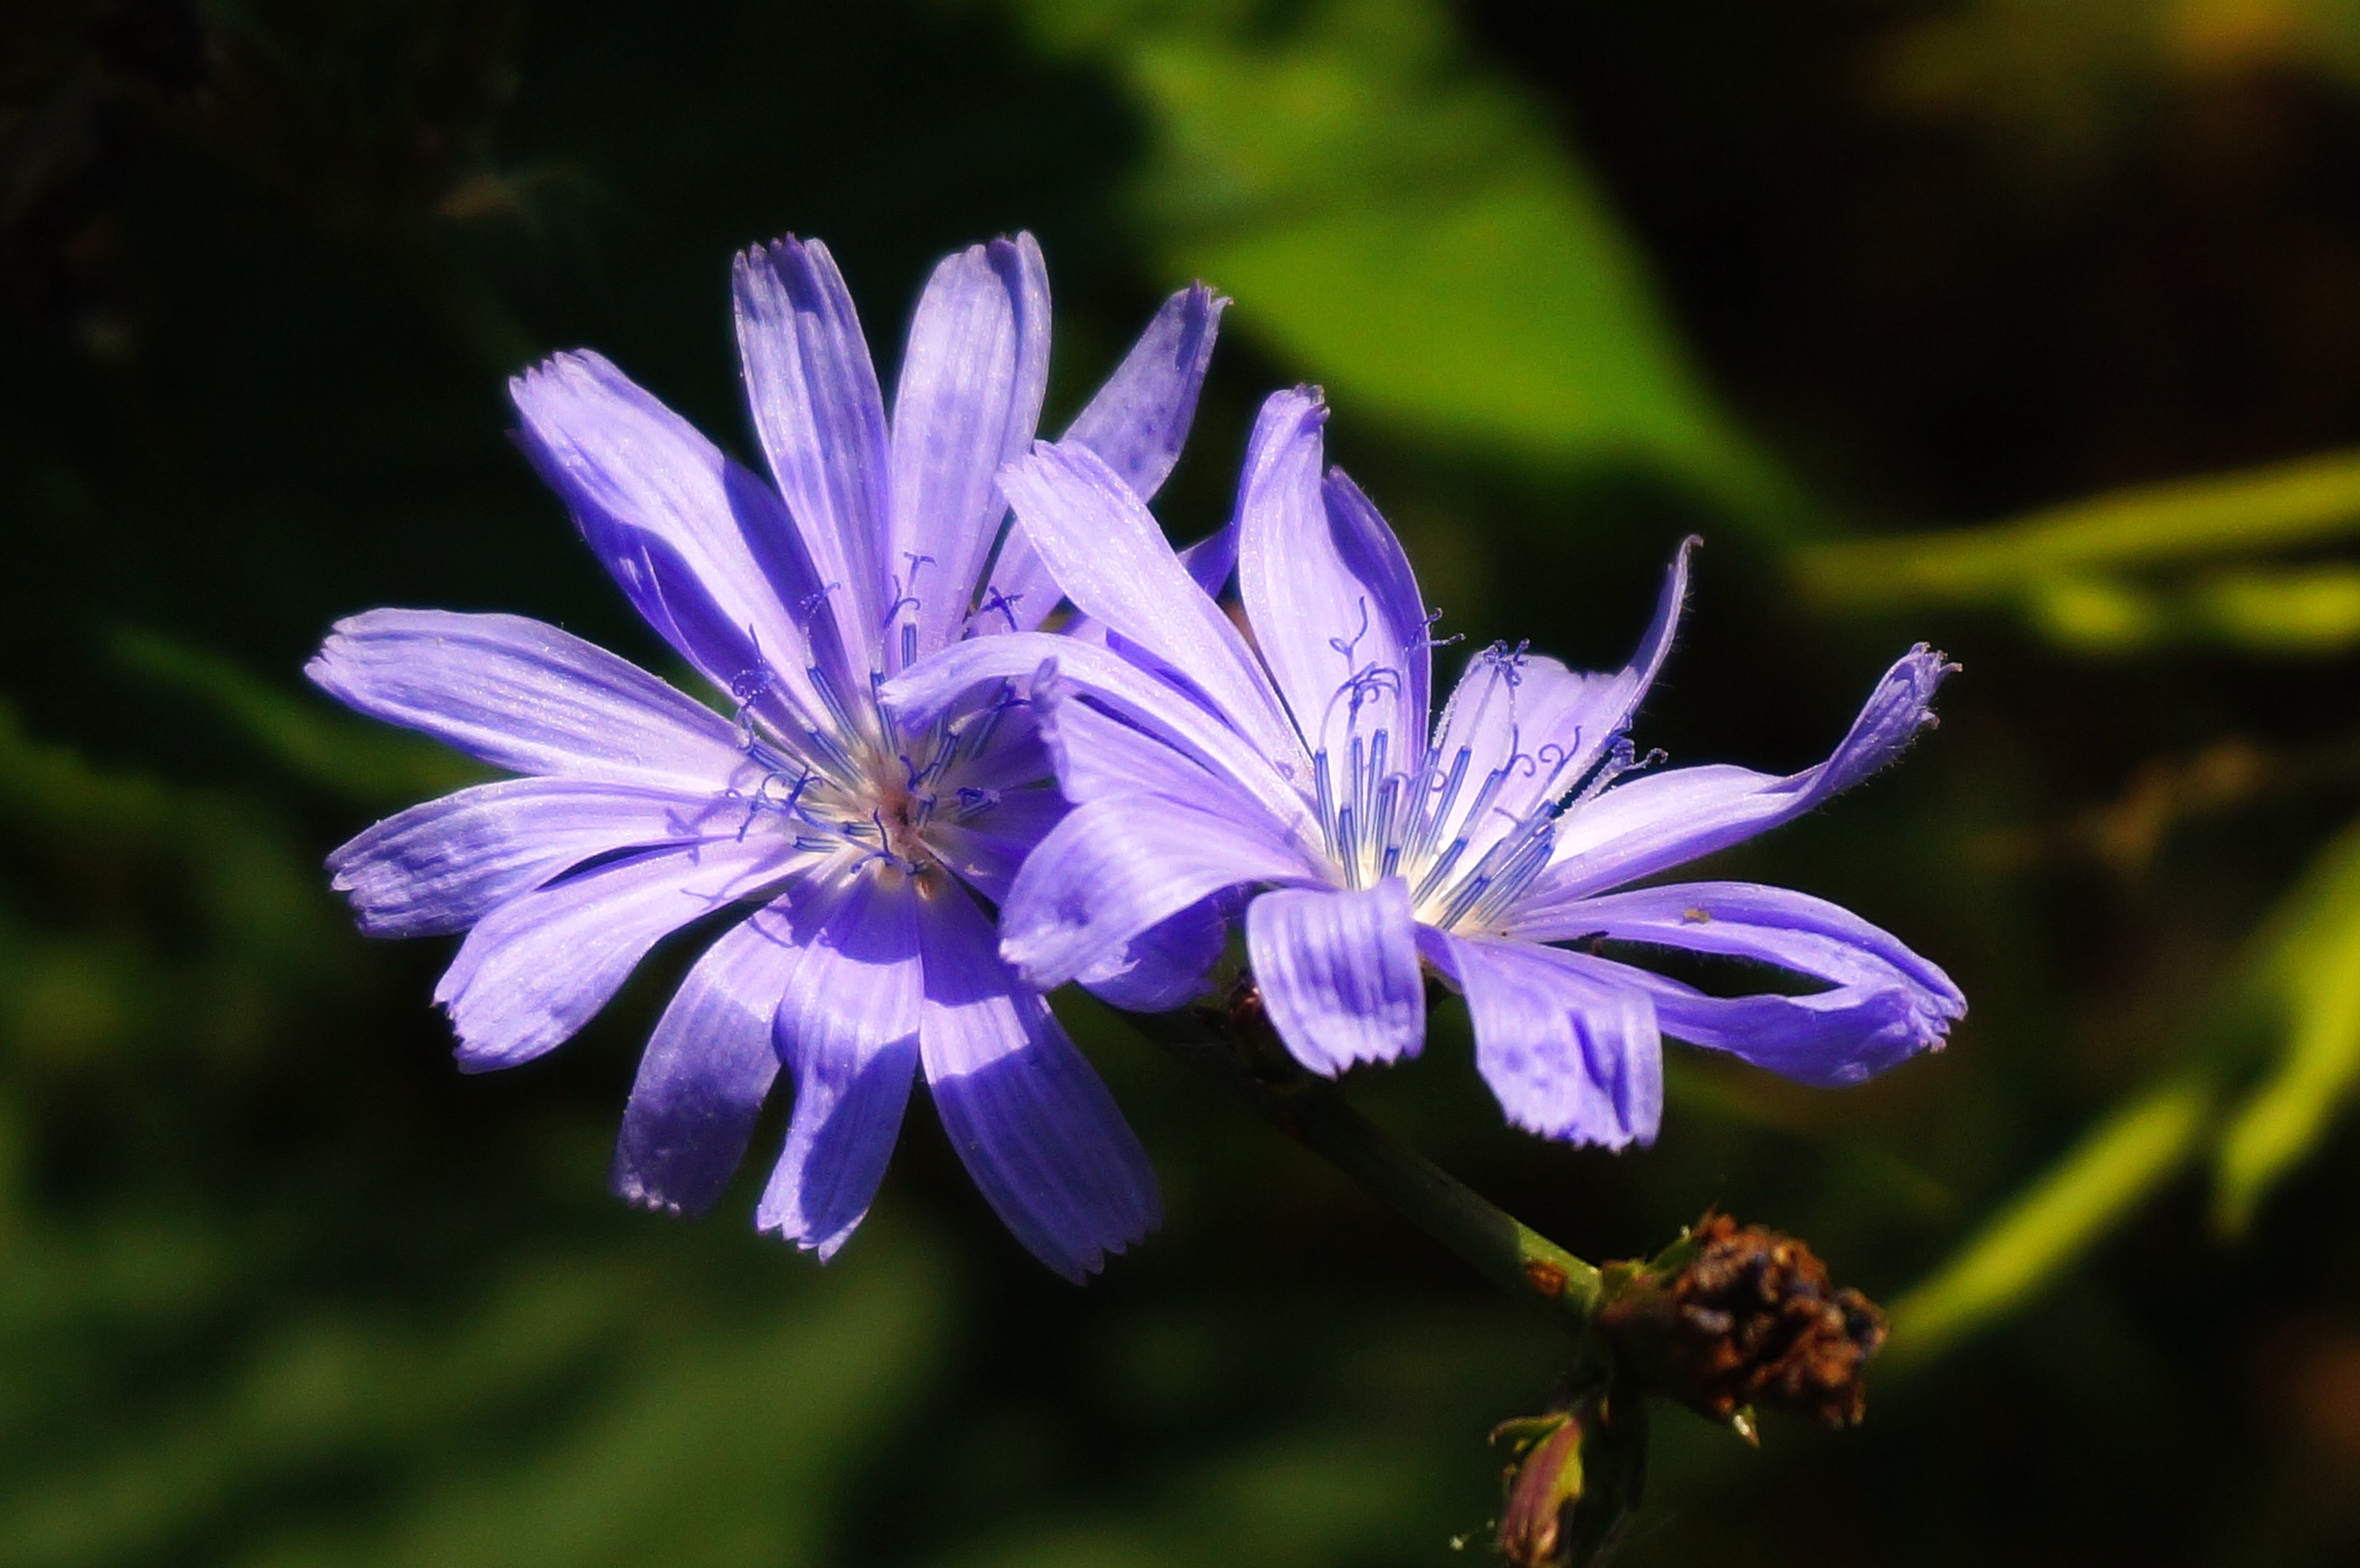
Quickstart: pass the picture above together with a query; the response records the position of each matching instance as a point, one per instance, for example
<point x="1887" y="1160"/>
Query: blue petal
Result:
<point x="984" y="851"/>
<point x="938" y="683"/>
<point x="1887" y="1005"/>
<point x="969" y="396"/>
<point x="705" y="553"/>
<point x="1140" y="418"/>
<point x="1549" y="726"/>
<point x="1567" y="1042"/>
<point x="1117" y="866"/>
<point x="1097" y="754"/>
<point x="816" y="406"/>
<point x="525" y="697"/>
<point x="848" y="1029"/>
<point x="540" y="966"/>
<point x="707" y="1071"/>
<point x="1338" y="973"/>
<point x="1137" y="423"/>
<point x="1114" y="563"/>
<point x="1038" y="1131"/>
<point x="1327" y="590"/>
<point x="1657" y="821"/>
<point x="443" y="865"/>
<point x="1164" y="966"/>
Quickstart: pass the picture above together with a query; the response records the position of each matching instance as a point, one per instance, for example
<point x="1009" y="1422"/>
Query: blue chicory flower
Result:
<point x="1295" y="762"/>
<point x="846" y="833"/>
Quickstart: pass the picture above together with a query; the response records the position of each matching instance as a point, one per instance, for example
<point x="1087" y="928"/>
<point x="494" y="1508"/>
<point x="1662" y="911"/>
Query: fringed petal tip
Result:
<point x="1901" y="706"/>
<point x="640" y="1198"/>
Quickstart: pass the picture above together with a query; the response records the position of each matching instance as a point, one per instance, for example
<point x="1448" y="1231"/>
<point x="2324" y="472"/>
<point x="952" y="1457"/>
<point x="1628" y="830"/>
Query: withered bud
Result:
<point x="1574" y="1483"/>
<point x="1735" y="1317"/>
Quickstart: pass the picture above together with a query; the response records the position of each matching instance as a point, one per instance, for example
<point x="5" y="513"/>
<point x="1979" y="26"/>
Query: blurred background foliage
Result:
<point x="2031" y="327"/>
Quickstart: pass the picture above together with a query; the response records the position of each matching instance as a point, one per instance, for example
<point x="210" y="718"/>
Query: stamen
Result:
<point x="1004" y="603"/>
<point x="1324" y="801"/>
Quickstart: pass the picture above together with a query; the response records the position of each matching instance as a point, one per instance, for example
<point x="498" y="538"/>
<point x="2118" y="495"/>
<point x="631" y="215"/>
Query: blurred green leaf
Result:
<point x="2087" y="573"/>
<point x="363" y="762"/>
<point x="1400" y="222"/>
<point x="2297" y="983"/>
<point x="2016" y="1253"/>
<point x="2315" y="978"/>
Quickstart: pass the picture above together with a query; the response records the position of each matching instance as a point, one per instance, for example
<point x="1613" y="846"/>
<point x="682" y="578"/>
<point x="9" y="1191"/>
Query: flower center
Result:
<point x="1470" y="824"/>
<point x="856" y="786"/>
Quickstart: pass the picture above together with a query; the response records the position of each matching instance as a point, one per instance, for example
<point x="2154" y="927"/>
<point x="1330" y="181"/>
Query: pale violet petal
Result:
<point x="1338" y="973"/>
<point x="540" y="966"/>
<point x="707" y="1070"/>
<point x="1328" y="591"/>
<point x="704" y="552"/>
<point x="1887" y="1003"/>
<point x="968" y="400"/>
<point x="525" y="696"/>
<point x="1117" y="866"/>
<point x="443" y="865"/>
<point x="1657" y="821"/>
<point x="816" y="406"/>
<point x="1137" y="423"/>
<point x="940" y="681"/>
<point x="1114" y="564"/>
<point x="1567" y="1042"/>
<point x="846" y="1027"/>
<point x="1164" y="965"/>
<point x="1034" y="1125"/>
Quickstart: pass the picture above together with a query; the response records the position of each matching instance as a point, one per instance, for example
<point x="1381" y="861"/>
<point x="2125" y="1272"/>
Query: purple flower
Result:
<point x="837" y="836"/>
<point x="1297" y="763"/>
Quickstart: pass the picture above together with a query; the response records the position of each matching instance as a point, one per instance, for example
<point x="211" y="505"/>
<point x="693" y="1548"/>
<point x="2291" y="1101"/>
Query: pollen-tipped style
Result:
<point x="837" y="849"/>
<point x="1296" y="765"/>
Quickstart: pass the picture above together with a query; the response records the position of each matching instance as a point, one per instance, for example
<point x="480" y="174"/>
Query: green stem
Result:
<point x="1243" y="1056"/>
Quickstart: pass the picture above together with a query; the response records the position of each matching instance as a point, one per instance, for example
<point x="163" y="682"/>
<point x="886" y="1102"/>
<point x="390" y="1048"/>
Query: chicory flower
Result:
<point x="847" y="845"/>
<point x="1295" y="762"/>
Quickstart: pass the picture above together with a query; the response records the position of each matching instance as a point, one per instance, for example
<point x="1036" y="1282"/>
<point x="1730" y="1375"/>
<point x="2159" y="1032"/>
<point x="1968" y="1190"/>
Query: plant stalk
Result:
<point x="1238" y="1050"/>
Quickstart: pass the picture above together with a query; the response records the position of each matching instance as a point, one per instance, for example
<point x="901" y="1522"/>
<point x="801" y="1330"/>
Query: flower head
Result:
<point x="849" y="845"/>
<point x="1299" y="764"/>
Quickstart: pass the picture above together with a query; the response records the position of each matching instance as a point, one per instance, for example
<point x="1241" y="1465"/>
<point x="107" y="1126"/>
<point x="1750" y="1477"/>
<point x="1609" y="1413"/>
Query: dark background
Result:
<point x="278" y="1287"/>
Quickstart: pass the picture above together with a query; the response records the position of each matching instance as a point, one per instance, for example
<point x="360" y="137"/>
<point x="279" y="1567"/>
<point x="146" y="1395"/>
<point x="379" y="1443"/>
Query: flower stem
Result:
<point x="1238" y="1050"/>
